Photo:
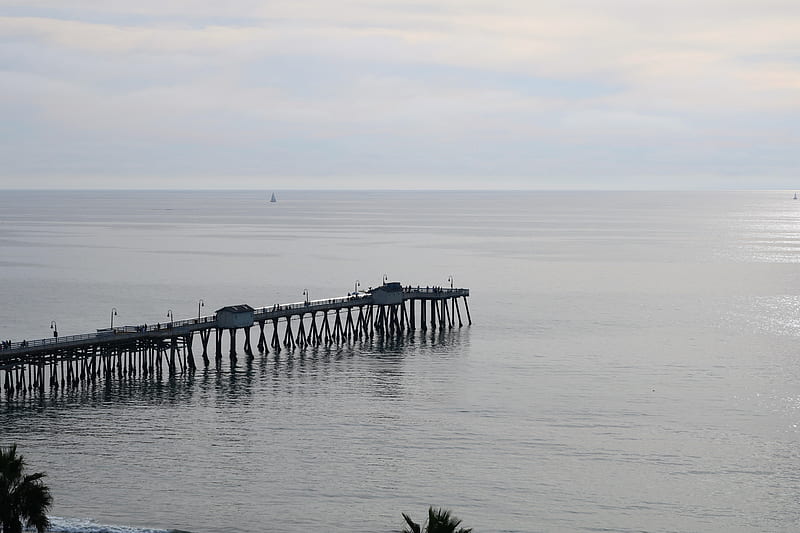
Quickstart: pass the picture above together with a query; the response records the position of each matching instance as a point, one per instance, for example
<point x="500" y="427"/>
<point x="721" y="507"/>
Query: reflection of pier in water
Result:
<point x="377" y="362"/>
<point x="389" y="311"/>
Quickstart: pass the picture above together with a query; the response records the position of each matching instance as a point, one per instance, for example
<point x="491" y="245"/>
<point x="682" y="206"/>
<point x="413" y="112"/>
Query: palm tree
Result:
<point x="439" y="521"/>
<point x="22" y="497"/>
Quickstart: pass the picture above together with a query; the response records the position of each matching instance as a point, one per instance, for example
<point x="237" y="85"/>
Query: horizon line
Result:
<point x="367" y="189"/>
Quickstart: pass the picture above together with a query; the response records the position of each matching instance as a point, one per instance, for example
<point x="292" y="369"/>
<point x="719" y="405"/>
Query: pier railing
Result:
<point x="48" y="341"/>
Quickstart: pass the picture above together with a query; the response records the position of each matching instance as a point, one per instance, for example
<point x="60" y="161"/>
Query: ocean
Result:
<point x="632" y="363"/>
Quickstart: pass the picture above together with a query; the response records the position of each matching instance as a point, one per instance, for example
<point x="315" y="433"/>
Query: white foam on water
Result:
<point x="87" y="525"/>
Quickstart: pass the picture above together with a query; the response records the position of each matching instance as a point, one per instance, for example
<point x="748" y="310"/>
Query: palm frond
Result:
<point x="442" y="521"/>
<point x="34" y="477"/>
<point x="415" y="528"/>
<point x="34" y="502"/>
<point x="23" y="498"/>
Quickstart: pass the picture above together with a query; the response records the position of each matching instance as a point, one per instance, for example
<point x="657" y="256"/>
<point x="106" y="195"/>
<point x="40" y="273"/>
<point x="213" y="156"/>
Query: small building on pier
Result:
<point x="390" y="293"/>
<point x="235" y="316"/>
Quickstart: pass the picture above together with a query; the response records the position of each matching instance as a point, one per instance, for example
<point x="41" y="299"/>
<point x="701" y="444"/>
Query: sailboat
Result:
<point x="273" y="199"/>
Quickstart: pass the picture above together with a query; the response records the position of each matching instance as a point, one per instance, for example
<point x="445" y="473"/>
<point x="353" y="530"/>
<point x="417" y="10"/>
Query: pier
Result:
<point x="146" y="350"/>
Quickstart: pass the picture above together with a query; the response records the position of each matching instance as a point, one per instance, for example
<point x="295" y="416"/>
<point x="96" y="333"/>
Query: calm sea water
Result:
<point x="633" y="363"/>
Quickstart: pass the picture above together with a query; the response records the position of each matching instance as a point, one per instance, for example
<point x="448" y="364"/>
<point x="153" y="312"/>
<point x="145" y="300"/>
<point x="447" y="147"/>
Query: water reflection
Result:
<point x="376" y="364"/>
<point x="134" y="390"/>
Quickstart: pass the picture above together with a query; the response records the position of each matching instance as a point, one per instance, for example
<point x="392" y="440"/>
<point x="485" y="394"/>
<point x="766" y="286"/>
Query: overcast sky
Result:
<point x="400" y="94"/>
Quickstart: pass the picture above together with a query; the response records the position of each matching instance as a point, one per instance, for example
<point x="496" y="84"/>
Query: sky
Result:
<point x="389" y="94"/>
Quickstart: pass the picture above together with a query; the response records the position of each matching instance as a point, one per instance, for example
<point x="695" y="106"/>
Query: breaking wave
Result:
<point x="87" y="525"/>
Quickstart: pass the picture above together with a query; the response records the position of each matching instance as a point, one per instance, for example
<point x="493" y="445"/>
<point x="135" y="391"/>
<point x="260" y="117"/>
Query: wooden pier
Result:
<point x="145" y="350"/>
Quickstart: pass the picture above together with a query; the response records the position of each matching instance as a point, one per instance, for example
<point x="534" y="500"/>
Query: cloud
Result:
<point x="392" y="88"/>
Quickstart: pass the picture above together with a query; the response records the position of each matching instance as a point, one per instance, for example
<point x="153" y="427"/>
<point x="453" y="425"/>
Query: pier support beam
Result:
<point x="337" y="328"/>
<point x="262" y="339"/>
<point x="173" y="347"/>
<point x="187" y="343"/>
<point x="361" y="323"/>
<point x="349" y="325"/>
<point x="247" y="349"/>
<point x="232" y="333"/>
<point x="300" y="340"/>
<point x="288" y="336"/>
<point x="204" y="335"/>
<point x="276" y="340"/>
<point x="326" y="328"/>
<point x="313" y="333"/>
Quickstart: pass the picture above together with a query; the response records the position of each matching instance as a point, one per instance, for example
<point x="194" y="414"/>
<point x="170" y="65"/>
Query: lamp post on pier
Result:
<point x="113" y="314"/>
<point x="357" y="286"/>
<point x="200" y="304"/>
<point x="305" y="293"/>
<point x="54" y="327"/>
<point x="385" y="279"/>
<point x="450" y="279"/>
<point x="169" y="315"/>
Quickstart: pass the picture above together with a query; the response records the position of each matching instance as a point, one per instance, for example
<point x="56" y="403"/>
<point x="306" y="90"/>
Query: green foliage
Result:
<point x="439" y="521"/>
<point x="23" y="498"/>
